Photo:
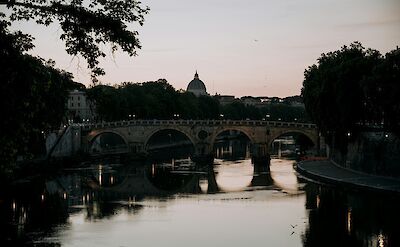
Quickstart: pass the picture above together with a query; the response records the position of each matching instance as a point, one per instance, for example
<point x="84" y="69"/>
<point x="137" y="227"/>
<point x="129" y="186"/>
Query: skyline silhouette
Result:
<point x="258" y="48"/>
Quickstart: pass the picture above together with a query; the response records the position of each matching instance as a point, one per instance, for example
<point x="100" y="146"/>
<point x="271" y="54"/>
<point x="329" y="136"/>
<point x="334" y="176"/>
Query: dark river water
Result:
<point x="175" y="203"/>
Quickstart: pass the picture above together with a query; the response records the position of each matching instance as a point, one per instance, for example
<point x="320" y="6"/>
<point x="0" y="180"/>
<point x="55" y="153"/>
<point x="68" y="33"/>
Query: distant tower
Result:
<point x="196" y="86"/>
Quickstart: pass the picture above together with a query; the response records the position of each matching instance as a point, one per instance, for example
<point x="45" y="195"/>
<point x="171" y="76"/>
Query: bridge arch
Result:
<point x="121" y="142"/>
<point x="158" y="130"/>
<point x="313" y="137"/>
<point x="235" y="143"/>
<point x="220" y="131"/>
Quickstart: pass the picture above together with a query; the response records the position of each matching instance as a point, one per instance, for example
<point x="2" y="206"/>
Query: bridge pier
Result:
<point x="261" y="176"/>
<point x="203" y="154"/>
<point x="260" y="155"/>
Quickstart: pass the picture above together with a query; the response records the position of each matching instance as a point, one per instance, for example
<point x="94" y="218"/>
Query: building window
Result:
<point x="79" y="98"/>
<point x="79" y="104"/>
<point x="72" y="104"/>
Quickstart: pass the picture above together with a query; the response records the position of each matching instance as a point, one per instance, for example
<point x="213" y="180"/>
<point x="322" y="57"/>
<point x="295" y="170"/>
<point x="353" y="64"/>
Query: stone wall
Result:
<point x="66" y="145"/>
<point x="374" y="152"/>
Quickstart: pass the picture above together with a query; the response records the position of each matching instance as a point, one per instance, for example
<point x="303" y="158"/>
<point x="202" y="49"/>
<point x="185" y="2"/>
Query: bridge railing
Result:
<point x="88" y="126"/>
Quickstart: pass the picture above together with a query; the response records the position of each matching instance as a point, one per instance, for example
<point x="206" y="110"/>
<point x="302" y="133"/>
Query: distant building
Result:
<point x="225" y="99"/>
<point x="253" y="101"/>
<point x="196" y="86"/>
<point x="79" y="107"/>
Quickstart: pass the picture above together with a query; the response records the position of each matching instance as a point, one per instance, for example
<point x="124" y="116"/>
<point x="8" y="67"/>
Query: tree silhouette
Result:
<point x="33" y="96"/>
<point x="351" y="88"/>
<point x="86" y="25"/>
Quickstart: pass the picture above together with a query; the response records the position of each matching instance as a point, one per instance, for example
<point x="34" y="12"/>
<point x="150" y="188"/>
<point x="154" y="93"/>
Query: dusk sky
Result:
<point x="253" y="47"/>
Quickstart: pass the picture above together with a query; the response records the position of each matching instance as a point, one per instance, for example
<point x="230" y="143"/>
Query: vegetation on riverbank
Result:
<point x="353" y="88"/>
<point x="33" y="96"/>
<point x="160" y="100"/>
<point x="33" y="91"/>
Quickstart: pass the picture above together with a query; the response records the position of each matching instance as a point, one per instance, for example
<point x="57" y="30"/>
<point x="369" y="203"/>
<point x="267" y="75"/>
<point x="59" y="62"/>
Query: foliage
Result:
<point x="284" y="112"/>
<point x="238" y="110"/>
<point x="33" y="96"/>
<point x="159" y="100"/>
<point x="352" y="87"/>
<point x="382" y="90"/>
<point x="87" y="25"/>
<point x="150" y="100"/>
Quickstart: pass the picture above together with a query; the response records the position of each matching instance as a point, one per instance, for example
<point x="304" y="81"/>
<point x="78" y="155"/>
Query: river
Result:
<point x="175" y="203"/>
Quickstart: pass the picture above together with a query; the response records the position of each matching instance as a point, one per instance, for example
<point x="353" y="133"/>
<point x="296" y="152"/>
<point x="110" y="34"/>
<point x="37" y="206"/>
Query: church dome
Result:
<point x="197" y="86"/>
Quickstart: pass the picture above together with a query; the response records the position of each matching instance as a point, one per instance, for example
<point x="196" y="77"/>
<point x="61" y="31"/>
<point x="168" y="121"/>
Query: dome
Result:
<point x="197" y="86"/>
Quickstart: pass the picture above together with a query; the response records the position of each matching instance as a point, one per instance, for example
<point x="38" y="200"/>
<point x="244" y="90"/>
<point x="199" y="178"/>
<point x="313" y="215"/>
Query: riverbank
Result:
<point x="326" y="171"/>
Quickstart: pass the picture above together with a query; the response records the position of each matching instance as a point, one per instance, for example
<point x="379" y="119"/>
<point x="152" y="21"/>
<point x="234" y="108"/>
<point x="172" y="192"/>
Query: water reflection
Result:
<point x="232" y="202"/>
<point x="339" y="218"/>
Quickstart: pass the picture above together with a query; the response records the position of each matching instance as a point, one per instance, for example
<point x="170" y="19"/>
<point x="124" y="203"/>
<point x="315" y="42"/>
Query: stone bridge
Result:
<point x="202" y="134"/>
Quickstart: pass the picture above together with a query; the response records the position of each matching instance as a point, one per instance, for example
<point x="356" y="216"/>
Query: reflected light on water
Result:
<point x="153" y="170"/>
<point x="131" y="200"/>
<point x="230" y="178"/>
<point x="382" y="240"/>
<point x="283" y="177"/>
<point x="203" y="185"/>
<point x="100" y="173"/>
<point x="349" y="221"/>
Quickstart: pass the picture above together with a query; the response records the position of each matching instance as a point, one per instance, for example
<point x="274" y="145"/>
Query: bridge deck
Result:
<point x="197" y="122"/>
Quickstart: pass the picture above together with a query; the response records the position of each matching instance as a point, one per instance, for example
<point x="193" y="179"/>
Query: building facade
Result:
<point x="80" y="108"/>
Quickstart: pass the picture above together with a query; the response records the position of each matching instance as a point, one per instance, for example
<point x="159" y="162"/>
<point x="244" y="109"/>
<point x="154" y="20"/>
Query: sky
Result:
<point x="241" y="48"/>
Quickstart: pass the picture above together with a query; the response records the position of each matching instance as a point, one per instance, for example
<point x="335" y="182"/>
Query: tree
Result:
<point x="86" y="25"/>
<point x="382" y="90"/>
<point x="332" y="89"/>
<point x="33" y="96"/>
<point x="351" y="88"/>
